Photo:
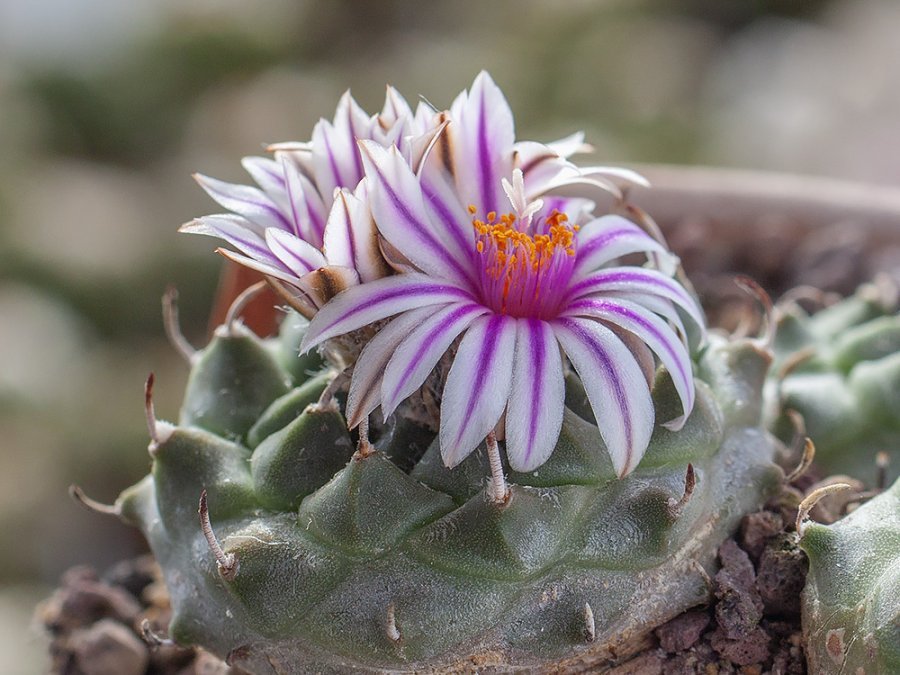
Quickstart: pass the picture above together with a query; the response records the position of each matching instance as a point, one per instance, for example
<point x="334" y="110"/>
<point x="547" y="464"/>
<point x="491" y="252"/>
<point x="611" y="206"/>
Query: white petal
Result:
<point x="365" y="386"/>
<point x="484" y="133"/>
<point x="653" y="331"/>
<point x="397" y="203"/>
<point x="364" y="304"/>
<point x="416" y="356"/>
<point x="537" y="398"/>
<point x="615" y="388"/>
<point x="477" y="387"/>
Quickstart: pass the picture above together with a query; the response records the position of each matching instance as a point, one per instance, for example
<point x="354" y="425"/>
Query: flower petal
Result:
<point x="394" y="123"/>
<point x="656" y="333"/>
<point x="627" y="175"/>
<point x="639" y="281"/>
<point x="239" y="232"/>
<point x="365" y="386"/>
<point x="477" y="386"/>
<point x="335" y="157"/>
<point x="544" y="169"/>
<point x="615" y="387"/>
<point x="269" y="175"/>
<point x="665" y="308"/>
<point x="379" y="299"/>
<point x="262" y="267"/>
<point x="306" y="206"/>
<point x="247" y="201"/>
<point x="485" y="133"/>
<point x="537" y="398"/>
<point x="416" y="356"/>
<point x="299" y="256"/>
<point x="573" y="144"/>
<point x="323" y="284"/>
<point x="608" y="238"/>
<point x="351" y="238"/>
<point x="397" y="203"/>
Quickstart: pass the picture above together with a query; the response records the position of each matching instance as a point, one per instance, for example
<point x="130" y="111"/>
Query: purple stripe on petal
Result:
<point x="483" y="134"/>
<point x="244" y="200"/>
<point x="536" y="402"/>
<point x="417" y="355"/>
<point x="332" y="162"/>
<point x="485" y="161"/>
<point x="478" y="386"/>
<point x="615" y="387"/>
<point x="355" y="135"/>
<point x="233" y="230"/>
<point x="366" y="303"/>
<point x="608" y="238"/>
<point x="637" y="280"/>
<point x="266" y="172"/>
<point x="262" y="267"/>
<point x="338" y="238"/>
<point x="365" y="385"/>
<point x="297" y="254"/>
<point x="398" y="206"/>
<point x="453" y="222"/>
<point x="654" y="332"/>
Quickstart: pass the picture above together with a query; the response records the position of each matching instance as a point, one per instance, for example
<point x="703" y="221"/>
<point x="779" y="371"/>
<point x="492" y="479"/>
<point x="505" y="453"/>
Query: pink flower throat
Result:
<point x="524" y="275"/>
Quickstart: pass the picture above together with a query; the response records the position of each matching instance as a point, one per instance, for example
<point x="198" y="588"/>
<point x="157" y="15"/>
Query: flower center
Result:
<point x="524" y="273"/>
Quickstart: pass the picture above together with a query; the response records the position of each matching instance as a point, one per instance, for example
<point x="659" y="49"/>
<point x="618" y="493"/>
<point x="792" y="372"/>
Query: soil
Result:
<point x="97" y="625"/>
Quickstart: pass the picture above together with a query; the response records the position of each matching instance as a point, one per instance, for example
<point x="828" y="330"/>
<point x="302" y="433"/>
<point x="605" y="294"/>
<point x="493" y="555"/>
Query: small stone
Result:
<point x="782" y="575"/>
<point x="133" y="575"/>
<point x="82" y="600"/>
<point x="683" y="631"/>
<point x="740" y="608"/>
<point x="756" y="529"/>
<point x="108" y="648"/>
<point x="752" y="648"/>
<point x="206" y="664"/>
<point x="650" y="663"/>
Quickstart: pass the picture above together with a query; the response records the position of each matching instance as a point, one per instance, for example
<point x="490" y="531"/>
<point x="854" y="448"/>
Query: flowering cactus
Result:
<point x="516" y="449"/>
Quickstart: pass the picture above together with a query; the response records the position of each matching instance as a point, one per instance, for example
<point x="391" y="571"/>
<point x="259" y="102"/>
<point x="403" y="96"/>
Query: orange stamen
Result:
<point x="515" y="253"/>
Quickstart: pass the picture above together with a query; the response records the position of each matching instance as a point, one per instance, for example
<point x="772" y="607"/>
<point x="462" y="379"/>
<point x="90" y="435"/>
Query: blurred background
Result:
<point x="106" y="107"/>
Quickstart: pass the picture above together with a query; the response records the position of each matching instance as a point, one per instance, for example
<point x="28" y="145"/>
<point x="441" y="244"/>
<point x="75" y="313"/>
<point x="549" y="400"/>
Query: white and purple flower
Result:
<point x="515" y="280"/>
<point x="308" y="222"/>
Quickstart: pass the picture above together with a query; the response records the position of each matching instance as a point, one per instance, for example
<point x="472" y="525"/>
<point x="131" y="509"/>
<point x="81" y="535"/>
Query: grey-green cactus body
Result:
<point x="844" y="380"/>
<point x="851" y="603"/>
<point x="348" y="561"/>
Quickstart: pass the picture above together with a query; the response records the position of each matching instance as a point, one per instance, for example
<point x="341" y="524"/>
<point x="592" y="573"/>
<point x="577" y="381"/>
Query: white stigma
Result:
<point x="515" y="191"/>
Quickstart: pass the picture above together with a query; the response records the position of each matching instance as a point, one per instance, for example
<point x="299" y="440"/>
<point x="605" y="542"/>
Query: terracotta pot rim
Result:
<point x="741" y="195"/>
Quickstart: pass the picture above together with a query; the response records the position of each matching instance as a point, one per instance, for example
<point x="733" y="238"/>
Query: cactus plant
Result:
<point x="851" y="608"/>
<point x="333" y="558"/>
<point x="475" y="442"/>
<point x="840" y="369"/>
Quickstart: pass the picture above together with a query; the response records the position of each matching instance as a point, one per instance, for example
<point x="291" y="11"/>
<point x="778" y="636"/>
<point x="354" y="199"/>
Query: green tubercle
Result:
<point x="851" y="603"/>
<point x="410" y="558"/>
